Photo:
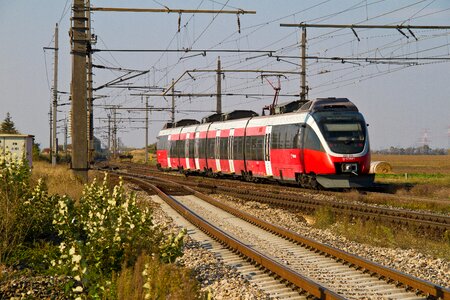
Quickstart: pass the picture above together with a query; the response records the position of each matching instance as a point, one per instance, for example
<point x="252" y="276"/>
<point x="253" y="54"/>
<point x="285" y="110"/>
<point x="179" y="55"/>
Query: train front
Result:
<point x="343" y="133"/>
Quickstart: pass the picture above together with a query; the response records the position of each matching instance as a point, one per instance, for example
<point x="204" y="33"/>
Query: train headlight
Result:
<point x="349" y="168"/>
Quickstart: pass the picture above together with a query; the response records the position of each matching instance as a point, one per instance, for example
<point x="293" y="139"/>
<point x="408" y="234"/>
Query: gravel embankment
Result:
<point x="408" y="261"/>
<point x="216" y="278"/>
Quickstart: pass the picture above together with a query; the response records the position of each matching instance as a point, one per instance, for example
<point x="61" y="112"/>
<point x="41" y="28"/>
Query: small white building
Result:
<point x="18" y="144"/>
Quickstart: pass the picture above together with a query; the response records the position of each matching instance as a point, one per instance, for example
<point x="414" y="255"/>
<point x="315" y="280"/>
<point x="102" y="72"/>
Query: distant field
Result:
<point x="414" y="164"/>
<point x="420" y="175"/>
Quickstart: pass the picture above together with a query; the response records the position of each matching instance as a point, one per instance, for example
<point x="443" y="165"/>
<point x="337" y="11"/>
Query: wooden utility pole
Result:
<point x="79" y="42"/>
<point x="146" y="130"/>
<point x="219" y="88"/>
<point x="303" y="87"/>
<point x="54" y="147"/>
<point x="172" y="118"/>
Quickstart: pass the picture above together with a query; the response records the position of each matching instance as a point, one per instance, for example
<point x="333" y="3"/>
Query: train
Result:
<point x="322" y="143"/>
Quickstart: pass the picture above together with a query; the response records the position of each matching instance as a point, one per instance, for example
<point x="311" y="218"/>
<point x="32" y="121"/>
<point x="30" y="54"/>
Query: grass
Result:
<point x="139" y="157"/>
<point x="375" y="234"/>
<point x="59" y="179"/>
<point x="419" y="176"/>
<point x="162" y="281"/>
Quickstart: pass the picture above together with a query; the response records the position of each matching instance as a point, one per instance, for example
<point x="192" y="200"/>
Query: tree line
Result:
<point x="422" y="150"/>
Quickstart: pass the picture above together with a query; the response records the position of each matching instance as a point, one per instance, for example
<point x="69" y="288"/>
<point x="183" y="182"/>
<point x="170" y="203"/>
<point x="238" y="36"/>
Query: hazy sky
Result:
<point x="403" y="101"/>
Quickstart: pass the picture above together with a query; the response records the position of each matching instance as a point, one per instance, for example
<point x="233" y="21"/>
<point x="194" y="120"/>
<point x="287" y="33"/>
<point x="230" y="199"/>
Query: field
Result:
<point x="417" y="164"/>
<point x="418" y="175"/>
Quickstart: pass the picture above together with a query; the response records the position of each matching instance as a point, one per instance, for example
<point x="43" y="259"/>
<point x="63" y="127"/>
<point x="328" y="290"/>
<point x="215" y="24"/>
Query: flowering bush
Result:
<point x="101" y="233"/>
<point x="14" y="187"/>
<point x="88" y="241"/>
<point x="172" y="247"/>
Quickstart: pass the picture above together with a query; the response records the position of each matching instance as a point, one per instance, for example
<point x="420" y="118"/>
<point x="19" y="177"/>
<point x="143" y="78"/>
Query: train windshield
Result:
<point x="344" y="134"/>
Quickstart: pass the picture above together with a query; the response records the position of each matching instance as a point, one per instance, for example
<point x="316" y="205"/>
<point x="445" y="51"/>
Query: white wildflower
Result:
<point x="76" y="258"/>
<point x="78" y="289"/>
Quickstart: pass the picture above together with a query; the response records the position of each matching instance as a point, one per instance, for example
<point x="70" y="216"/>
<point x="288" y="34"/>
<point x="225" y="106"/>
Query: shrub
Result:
<point x="14" y="186"/>
<point x="103" y="232"/>
<point x="89" y="241"/>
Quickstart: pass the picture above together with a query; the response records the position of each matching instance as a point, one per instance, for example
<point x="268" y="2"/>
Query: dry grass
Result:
<point x="371" y="233"/>
<point x="139" y="157"/>
<point x="414" y="164"/>
<point x="382" y="236"/>
<point x="165" y="281"/>
<point x="426" y="176"/>
<point x="59" y="179"/>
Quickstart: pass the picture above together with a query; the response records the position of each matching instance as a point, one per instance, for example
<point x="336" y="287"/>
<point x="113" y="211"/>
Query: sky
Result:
<point x="405" y="102"/>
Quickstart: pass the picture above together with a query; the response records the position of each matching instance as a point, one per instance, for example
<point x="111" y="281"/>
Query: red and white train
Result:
<point x="325" y="143"/>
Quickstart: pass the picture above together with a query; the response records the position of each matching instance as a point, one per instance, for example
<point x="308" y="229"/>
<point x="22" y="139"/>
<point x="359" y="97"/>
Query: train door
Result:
<point x="197" y="150"/>
<point x="217" y="152"/>
<point x="267" y="161"/>
<point x="186" y="151"/>
<point x="230" y="150"/>
<point x="301" y="145"/>
<point x="169" y="153"/>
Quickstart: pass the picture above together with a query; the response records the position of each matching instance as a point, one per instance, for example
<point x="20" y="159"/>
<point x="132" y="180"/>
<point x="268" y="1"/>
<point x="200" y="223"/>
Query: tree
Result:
<point x="7" y="125"/>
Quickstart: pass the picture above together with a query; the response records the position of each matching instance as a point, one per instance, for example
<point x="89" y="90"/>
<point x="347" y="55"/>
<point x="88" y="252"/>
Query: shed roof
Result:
<point x="15" y="135"/>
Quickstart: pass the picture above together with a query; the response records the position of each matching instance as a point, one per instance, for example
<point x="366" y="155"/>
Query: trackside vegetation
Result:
<point x="103" y="245"/>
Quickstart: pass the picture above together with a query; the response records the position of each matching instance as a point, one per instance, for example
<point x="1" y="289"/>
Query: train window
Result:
<point x="173" y="149"/>
<point x="285" y="136"/>
<point x="211" y="147"/>
<point x="162" y="142"/>
<point x="276" y="137"/>
<point x="312" y="141"/>
<point x="238" y="148"/>
<point x="254" y="147"/>
<point x="201" y="148"/>
<point x="223" y="148"/>
<point x="191" y="148"/>
<point x="291" y="135"/>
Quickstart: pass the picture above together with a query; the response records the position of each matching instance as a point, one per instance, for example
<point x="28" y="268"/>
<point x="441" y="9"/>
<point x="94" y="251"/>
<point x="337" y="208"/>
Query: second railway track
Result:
<point x="424" y="222"/>
<point x="331" y="273"/>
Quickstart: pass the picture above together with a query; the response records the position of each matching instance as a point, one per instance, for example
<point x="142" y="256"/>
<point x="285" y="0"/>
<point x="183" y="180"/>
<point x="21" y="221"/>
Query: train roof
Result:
<point x="329" y="104"/>
<point x="180" y="123"/>
<point x="239" y="114"/>
<point x="288" y="107"/>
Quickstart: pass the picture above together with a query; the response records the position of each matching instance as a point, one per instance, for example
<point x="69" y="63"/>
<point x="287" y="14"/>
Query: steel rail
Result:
<point x="421" y="220"/>
<point x="408" y="281"/>
<point x="284" y="272"/>
<point x="425" y="221"/>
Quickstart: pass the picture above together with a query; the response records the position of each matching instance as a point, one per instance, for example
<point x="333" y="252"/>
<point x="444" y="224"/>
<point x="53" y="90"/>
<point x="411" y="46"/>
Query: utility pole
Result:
<point x="219" y="88"/>
<point x="79" y="43"/>
<point x="50" y="121"/>
<point x="146" y="130"/>
<point x="303" y="87"/>
<point x="114" y="133"/>
<point x="109" y="134"/>
<point x="65" y="136"/>
<point x="90" y="96"/>
<point x="173" y="102"/>
<point x="55" y="99"/>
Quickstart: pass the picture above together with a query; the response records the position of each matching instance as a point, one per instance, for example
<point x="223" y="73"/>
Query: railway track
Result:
<point x="434" y="224"/>
<point x="316" y="269"/>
